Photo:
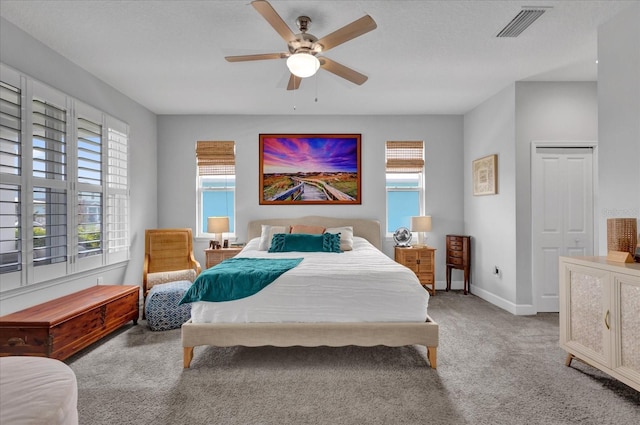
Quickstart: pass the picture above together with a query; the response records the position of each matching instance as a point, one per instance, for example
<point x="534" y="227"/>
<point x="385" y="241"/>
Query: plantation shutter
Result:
<point x="10" y="119"/>
<point x="89" y="195"/>
<point x="117" y="218"/>
<point x="405" y="157"/>
<point x="89" y="152"/>
<point x="11" y="169"/>
<point x="49" y="141"/>
<point x="50" y="173"/>
<point x="216" y="158"/>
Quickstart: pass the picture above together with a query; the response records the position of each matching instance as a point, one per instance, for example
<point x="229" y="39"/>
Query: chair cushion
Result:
<point x="162" y="309"/>
<point x="172" y="276"/>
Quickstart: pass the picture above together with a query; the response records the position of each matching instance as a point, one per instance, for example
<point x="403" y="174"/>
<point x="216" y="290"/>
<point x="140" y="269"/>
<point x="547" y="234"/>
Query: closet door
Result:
<point x="562" y="215"/>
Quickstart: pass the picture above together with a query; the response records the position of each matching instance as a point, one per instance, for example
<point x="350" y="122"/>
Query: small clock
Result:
<point x="402" y="236"/>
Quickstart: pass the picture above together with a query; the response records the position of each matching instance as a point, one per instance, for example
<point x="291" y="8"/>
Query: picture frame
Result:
<point x="485" y="175"/>
<point x="310" y="169"/>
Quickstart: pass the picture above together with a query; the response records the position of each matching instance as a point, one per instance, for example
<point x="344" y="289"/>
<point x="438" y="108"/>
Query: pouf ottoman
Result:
<point x="37" y="390"/>
<point x="162" y="309"/>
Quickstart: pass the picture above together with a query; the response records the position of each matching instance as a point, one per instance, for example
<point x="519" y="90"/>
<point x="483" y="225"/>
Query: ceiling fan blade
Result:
<point x="269" y="13"/>
<point x="342" y="71"/>
<point x="294" y="82"/>
<point x="348" y="32"/>
<point x="243" y="58"/>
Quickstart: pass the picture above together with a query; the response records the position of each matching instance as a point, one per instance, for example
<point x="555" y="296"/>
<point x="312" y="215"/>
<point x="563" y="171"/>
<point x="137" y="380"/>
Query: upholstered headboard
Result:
<point x="365" y="228"/>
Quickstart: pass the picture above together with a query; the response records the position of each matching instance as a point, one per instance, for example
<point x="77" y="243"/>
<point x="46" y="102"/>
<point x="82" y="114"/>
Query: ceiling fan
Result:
<point x="302" y="58"/>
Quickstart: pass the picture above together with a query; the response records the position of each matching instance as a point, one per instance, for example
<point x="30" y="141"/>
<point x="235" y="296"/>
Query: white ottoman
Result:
<point x="37" y="390"/>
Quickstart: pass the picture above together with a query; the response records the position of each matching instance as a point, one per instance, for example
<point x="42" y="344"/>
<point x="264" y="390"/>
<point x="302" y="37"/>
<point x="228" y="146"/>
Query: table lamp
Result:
<point x="217" y="226"/>
<point x="421" y="224"/>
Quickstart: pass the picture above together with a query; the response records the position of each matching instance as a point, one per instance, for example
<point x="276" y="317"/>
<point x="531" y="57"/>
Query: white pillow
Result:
<point x="267" y="235"/>
<point x="346" y="236"/>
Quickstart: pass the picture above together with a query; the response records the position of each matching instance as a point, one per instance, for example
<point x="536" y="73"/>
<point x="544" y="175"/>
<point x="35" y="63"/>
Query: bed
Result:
<point x="243" y="322"/>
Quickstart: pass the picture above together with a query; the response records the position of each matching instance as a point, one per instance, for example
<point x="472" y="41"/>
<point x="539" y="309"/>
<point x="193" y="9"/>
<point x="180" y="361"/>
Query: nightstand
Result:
<point x="217" y="256"/>
<point x="421" y="260"/>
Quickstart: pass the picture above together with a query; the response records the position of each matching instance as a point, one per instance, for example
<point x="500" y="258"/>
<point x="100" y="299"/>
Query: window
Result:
<point x="216" y="182"/>
<point x="404" y="183"/>
<point x="56" y="174"/>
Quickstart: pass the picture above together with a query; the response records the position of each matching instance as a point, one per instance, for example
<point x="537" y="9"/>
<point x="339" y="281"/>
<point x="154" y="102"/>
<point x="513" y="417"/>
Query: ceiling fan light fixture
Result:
<point x="303" y="65"/>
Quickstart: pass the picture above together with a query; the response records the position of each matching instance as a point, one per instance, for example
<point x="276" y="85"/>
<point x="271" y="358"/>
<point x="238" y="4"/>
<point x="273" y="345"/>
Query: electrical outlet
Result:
<point x="100" y="280"/>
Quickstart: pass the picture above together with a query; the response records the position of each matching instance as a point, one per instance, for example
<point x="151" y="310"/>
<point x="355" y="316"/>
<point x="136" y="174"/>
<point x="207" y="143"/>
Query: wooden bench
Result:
<point x="61" y="327"/>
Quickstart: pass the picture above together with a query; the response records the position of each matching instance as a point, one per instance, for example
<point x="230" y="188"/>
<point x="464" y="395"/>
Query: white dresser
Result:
<point x="600" y="315"/>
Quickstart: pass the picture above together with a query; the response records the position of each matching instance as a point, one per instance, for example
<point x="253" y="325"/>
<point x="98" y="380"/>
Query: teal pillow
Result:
<point x="303" y="242"/>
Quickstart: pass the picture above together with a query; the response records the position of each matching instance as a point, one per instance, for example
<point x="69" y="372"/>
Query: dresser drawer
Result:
<point x="455" y="244"/>
<point x="217" y="256"/>
<point x="455" y="261"/>
<point x="455" y="254"/>
<point x="425" y="278"/>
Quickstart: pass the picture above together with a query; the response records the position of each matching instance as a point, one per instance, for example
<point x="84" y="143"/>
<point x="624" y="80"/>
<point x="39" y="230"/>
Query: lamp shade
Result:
<point x="217" y="224"/>
<point x="303" y="64"/>
<point x="421" y="223"/>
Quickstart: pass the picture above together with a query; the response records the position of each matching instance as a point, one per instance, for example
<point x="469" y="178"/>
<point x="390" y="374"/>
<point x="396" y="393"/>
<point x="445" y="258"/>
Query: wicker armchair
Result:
<point x="168" y="257"/>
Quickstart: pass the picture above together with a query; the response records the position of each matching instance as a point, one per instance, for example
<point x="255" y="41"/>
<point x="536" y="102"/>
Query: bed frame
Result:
<point x="367" y="334"/>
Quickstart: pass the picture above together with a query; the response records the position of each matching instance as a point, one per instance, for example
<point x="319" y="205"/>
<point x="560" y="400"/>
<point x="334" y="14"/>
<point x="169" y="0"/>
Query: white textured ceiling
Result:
<point x="425" y="57"/>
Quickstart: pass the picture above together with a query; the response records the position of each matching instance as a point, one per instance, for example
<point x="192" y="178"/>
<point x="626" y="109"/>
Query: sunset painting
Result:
<point x="310" y="169"/>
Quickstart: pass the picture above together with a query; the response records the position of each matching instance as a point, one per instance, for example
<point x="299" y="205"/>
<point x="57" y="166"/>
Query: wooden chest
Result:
<point x="65" y="325"/>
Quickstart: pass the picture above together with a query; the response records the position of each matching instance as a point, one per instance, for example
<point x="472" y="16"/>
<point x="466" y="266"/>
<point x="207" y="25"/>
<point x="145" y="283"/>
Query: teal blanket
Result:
<point x="237" y="278"/>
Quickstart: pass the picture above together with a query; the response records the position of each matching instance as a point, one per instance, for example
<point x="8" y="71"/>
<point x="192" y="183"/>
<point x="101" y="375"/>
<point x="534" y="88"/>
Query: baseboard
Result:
<point x="516" y="309"/>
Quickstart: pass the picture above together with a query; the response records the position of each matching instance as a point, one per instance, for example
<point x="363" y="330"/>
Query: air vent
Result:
<point x="522" y="21"/>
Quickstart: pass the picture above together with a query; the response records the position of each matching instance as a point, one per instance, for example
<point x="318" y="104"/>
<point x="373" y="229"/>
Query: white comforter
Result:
<point x="363" y="285"/>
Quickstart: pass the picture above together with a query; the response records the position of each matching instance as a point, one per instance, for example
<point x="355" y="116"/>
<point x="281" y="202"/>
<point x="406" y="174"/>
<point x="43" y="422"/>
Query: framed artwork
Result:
<point x="485" y="175"/>
<point x="302" y="169"/>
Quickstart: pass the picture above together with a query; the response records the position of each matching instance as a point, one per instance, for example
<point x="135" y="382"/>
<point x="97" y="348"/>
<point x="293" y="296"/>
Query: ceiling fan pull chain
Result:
<point x="316" y="88"/>
<point x="294" y="93"/>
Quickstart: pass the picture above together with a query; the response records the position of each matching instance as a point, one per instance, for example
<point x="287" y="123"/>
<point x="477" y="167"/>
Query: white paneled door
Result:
<point x="562" y="206"/>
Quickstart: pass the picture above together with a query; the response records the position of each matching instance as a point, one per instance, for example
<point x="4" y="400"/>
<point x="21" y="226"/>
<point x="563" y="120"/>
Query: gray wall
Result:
<point x="442" y="135"/>
<point x="491" y="219"/>
<point x="506" y="124"/>
<point x="27" y="55"/>
<point x="619" y="119"/>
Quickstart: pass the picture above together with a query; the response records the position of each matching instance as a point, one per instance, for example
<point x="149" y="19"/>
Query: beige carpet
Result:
<point x="493" y="368"/>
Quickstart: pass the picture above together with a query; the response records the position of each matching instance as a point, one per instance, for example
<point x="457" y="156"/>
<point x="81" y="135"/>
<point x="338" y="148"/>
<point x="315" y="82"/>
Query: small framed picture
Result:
<point x="485" y="175"/>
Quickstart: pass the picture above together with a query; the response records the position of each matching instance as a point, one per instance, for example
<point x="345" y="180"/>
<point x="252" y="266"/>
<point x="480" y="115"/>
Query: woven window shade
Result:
<point x="216" y="158"/>
<point x="405" y="157"/>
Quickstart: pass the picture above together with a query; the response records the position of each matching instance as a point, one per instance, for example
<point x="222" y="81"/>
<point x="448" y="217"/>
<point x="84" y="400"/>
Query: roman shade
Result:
<point x="405" y="157"/>
<point x="216" y="158"/>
